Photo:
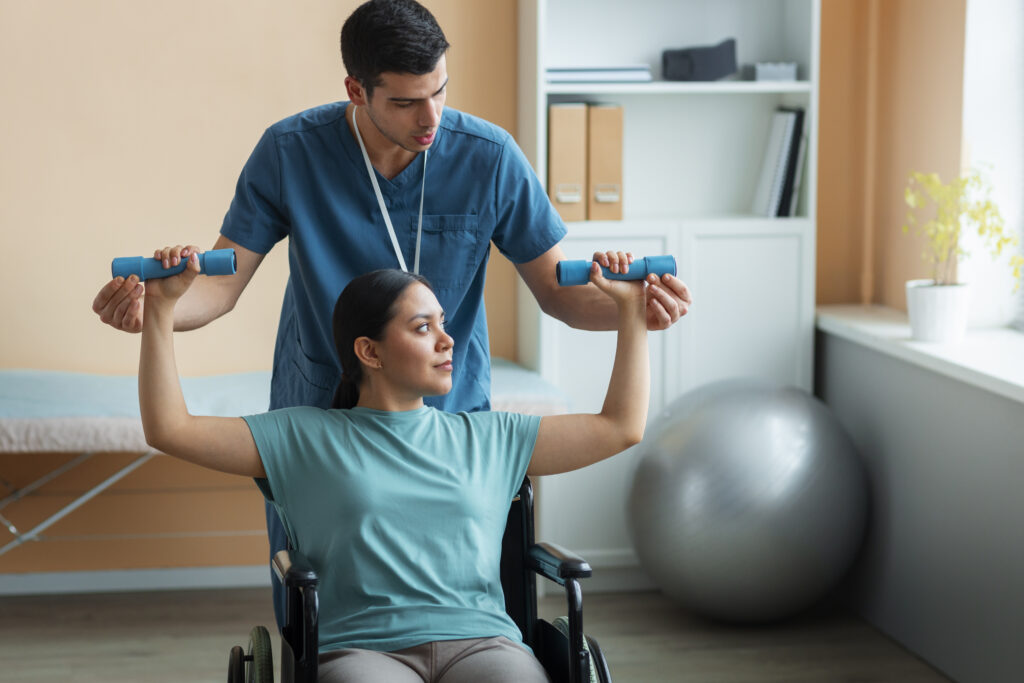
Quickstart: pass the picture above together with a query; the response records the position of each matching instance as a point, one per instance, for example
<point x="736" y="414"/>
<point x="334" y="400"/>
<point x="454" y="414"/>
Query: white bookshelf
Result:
<point x="691" y="161"/>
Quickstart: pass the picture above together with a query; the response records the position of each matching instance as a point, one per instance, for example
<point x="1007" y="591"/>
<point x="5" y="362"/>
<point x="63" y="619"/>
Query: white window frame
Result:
<point x="993" y="141"/>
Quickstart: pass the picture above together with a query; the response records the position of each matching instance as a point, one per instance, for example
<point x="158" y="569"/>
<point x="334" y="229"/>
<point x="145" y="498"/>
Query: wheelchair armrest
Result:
<point x="293" y="569"/>
<point x="566" y="568"/>
<point x="300" y="637"/>
<point x="557" y="563"/>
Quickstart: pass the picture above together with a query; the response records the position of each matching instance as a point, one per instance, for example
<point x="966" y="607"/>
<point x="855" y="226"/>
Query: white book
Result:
<point x="779" y="181"/>
<point x="773" y="166"/>
<point x="635" y="73"/>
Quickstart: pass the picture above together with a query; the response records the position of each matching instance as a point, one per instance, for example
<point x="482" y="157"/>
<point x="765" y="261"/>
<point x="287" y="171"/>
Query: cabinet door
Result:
<point x="753" y="312"/>
<point x="585" y="510"/>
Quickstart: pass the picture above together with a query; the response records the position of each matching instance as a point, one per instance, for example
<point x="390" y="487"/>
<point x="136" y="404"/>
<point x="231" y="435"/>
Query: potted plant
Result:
<point x="942" y="212"/>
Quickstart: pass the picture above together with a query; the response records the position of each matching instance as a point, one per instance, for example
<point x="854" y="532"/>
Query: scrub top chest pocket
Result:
<point x="451" y="249"/>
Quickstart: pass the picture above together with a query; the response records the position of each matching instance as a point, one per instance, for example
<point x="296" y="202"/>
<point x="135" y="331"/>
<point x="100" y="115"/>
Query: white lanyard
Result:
<point x="384" y="209"/>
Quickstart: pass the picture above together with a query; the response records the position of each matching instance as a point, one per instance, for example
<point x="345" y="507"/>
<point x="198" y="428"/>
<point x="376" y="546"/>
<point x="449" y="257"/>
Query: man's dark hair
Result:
<point x="397" y="36"/>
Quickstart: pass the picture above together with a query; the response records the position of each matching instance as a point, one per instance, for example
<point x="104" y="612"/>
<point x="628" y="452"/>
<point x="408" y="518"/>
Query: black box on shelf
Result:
<point x="709" y="63"/>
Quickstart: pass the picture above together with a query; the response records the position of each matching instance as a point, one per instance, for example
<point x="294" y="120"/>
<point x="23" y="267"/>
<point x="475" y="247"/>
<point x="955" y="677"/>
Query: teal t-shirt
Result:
<point x="401" y="515"/>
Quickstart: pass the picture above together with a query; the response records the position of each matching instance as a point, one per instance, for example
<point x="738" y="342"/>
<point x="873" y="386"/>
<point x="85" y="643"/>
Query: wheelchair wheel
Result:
<point x="236" y="665"/>
<point x="598" y="664"/>
<point x="260" y="659"/>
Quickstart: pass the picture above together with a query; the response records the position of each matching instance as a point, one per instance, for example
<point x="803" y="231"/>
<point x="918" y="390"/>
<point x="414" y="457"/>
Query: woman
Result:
<point x="399" y="507"/>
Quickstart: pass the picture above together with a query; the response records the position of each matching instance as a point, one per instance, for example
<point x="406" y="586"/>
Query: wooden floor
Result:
<point x="185" y="636"/>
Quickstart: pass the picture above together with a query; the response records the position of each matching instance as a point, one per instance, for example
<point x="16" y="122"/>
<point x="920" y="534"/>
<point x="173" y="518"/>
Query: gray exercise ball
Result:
<point x="749" y="501"/>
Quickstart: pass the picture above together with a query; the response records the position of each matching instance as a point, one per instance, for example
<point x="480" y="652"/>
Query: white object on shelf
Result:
<point x="773" y="166"/>
<point x="599" y="74"/>
<point x="775" y="71"/>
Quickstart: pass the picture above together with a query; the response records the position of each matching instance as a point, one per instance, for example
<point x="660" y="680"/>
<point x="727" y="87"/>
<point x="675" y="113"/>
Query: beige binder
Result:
<point x="604" y="162"/>
<point x="567" y="160"/>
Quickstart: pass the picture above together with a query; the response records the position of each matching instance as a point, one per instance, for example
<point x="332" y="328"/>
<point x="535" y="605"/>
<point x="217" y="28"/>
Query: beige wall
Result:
<point x="919" y="124"/>
<point x="126" y="123"/>
<point x="891" y="102"/>
<point x="125" y="126"/>
<point x="841" y="135"/>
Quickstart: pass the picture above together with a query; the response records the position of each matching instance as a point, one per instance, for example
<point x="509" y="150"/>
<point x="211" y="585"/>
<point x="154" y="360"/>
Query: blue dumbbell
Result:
<point x="213" y="262"/>
<point x="578" y="272"/>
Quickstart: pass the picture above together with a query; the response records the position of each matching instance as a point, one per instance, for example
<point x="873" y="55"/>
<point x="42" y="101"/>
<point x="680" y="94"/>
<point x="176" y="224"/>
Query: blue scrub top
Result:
<point x="306" y="180"/>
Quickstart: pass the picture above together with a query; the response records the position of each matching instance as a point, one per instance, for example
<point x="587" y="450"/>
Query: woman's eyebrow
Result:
<point x="427" y="316"/>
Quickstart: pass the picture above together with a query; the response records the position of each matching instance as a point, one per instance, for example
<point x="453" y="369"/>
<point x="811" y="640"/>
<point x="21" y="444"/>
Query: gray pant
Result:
<point x="480" y="660"/>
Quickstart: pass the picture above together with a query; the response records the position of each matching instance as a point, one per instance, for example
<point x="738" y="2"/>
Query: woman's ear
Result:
<point x="366" y="352"/>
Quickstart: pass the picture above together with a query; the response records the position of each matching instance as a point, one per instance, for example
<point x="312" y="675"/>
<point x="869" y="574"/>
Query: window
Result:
<point x="993" y="140"/>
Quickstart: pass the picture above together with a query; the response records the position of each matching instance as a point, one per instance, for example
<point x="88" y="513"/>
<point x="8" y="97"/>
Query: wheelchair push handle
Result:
<point x="213" y="262"/>
<point x="578" y="272"/>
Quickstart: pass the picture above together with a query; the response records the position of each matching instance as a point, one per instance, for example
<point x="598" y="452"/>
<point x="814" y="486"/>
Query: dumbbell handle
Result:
<point x="578" y="272"/>
<point x="213" y="262"/>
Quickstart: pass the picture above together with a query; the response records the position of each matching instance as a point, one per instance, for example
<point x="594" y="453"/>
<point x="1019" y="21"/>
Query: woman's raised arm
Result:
<point x="219" y="443"/>
<point x="569" y="442"/>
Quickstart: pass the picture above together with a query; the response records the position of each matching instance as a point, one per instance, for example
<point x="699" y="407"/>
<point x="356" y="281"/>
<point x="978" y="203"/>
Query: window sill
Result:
<point x="991" y="358"/>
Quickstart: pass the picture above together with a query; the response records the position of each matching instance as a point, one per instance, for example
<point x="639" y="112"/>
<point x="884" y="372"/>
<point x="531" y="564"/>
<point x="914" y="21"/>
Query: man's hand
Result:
<point x="668" y="298"/>
<point x="120" y="302"/>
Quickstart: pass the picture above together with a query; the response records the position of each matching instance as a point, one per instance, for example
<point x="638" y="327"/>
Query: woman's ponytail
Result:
<point x="347" y="394"/>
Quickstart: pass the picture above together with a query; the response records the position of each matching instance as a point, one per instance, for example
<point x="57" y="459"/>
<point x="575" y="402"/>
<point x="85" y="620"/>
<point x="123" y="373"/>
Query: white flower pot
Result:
<point x="938" y="313"/>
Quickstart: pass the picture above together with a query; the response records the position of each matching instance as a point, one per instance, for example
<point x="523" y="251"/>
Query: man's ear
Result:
<point x="366" y="352"/>
<point x="355" y="91"/>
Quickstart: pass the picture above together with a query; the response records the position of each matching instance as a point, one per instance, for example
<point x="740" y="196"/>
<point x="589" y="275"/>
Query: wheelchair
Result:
<point x="565" y="652"/>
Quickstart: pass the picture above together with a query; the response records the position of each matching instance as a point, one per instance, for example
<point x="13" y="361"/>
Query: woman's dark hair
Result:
<point x="364" y="308"/>
<point x="399" y="36"/>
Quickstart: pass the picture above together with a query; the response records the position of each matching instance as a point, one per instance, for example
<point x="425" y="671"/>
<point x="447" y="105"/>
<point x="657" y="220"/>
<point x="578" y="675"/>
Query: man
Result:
<point x="389" y="178"/>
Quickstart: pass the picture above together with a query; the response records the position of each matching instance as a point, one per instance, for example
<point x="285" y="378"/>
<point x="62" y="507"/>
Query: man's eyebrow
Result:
<point x="417" y="99"/>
